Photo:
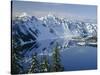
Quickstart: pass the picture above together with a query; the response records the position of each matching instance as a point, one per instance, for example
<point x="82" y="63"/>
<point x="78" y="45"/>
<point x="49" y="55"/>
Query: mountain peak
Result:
<point x="23" y="14"/>
<point x="50" y="15"/>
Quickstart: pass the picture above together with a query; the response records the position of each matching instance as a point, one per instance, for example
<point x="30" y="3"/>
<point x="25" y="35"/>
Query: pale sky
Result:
<point x="40" y="9"/>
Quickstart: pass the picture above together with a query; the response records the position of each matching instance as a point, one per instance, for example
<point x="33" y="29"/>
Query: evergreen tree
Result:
<point x="35" y="64"/>
<point x="56" y="66"/>
<point x="15" y="58"/>
<point x="44" y="64"/>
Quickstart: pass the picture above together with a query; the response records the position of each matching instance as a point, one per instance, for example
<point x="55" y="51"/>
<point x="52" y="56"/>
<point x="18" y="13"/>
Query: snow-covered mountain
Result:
<point x="50" y="27"/>
<point x="30" y="32"/>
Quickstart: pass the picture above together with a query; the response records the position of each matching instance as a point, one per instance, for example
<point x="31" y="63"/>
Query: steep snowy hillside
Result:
<point x="50" y="27"/>
<point x="29" y="29"/>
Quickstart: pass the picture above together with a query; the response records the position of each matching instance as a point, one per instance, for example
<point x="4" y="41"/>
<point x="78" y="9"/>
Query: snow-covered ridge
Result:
<point x="30" y="28"/>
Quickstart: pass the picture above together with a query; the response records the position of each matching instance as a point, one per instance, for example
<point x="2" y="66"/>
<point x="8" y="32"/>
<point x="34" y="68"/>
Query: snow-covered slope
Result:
<point x="29" y="29"/>
<point x="30" y="32"/>
<point x="50" y="27"/>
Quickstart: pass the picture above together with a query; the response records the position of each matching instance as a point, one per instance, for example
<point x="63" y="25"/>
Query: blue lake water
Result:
<point x="79" y="58"/>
